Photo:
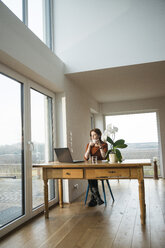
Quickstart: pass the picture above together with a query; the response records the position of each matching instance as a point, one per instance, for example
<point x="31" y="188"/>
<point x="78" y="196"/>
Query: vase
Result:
<point x="112" y="158"/>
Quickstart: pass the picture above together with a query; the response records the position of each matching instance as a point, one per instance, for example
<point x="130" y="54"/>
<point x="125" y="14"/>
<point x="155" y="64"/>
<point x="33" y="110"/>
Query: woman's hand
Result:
<point x="91" y="144"/>
<point x="98" y="143"/>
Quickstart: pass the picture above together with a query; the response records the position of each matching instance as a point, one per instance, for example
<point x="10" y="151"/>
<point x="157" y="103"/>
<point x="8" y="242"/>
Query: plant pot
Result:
<point x="112" y="158"/>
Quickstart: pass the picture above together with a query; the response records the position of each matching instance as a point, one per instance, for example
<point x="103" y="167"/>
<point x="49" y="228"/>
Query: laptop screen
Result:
<point x="63" y="155"/>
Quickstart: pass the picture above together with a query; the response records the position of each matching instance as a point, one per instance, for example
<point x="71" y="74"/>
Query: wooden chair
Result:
<point x="102" y="181"/>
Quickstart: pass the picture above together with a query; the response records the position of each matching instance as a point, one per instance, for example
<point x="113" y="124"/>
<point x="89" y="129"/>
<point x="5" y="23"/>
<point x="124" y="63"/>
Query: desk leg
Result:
<point x="142" y="201"/>
<point x="60" y="192"/>
<point x="46" y="211"/>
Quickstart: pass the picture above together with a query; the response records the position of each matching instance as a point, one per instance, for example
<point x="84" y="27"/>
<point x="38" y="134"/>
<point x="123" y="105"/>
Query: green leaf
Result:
<point x="122" y="146"/>
<point x="110" y="140"/>
<point x="119" y="142"/>
<point x="118" y="155"/>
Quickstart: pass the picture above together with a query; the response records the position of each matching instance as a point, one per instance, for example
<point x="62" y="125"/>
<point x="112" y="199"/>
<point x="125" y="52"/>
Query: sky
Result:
<point x="135" y="128"/>
<point x="10" y="113"/>
<point x="10" y="108"/>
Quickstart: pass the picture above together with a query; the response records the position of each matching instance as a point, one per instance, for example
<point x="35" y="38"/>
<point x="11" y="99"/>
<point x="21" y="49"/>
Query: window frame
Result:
<point x="22" y="144"/>
<point x="48" y="8"/>
<point x="48" y="19"/>
<point x="29" y="212"/>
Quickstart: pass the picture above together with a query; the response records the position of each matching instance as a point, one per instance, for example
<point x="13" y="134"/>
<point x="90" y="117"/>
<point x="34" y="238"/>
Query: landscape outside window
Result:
<point x="140" y="133"/>
<point x="12" y="164"/>
<point x="11" y="151"/>
<point x="42" y="143"/>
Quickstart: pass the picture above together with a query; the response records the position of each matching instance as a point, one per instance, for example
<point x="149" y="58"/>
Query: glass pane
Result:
<point x="140" y="133"/>
<point x="41" y="135"/>
<point x="15" y="6"/>
<point x="35" y="9"/>
<point x="11" y="150"/>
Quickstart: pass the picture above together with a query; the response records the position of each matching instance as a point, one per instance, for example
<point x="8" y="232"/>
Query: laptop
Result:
<point x="64" y="155"/>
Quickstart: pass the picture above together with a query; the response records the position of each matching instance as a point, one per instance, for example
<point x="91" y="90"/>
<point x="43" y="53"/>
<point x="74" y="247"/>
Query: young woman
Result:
<point x="96" y="147"/>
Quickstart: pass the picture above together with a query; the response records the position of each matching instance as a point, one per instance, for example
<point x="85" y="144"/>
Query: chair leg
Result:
<point x="86" y="196"/>
<point x="110" y="190"/>
<point x="104" y="192"/>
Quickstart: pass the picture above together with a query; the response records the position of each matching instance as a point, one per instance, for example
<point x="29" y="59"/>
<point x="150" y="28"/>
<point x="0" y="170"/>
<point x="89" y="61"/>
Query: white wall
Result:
<point x="154" y="104"/>
<point x="78" y="123"/>
<point x="98" y="34"/>
<point x="22" y="51"/>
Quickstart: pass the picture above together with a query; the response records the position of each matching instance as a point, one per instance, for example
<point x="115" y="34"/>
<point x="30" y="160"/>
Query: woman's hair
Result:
<point x="96" y="130"/>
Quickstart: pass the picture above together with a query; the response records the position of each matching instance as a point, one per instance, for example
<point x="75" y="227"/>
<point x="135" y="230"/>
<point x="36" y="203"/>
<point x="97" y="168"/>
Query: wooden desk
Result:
<point x="129" y="169"/>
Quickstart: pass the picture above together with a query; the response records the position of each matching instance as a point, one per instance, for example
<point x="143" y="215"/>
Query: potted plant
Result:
<point x="113" y="154"/>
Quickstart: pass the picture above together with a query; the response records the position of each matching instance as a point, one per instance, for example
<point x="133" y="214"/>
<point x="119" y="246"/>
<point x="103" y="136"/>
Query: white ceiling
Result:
<point x="123" y="83"/>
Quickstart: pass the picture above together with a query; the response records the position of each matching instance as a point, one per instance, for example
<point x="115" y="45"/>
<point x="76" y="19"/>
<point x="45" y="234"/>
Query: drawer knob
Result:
<point x="68" y="173"/>
<point x="111" y="171"/>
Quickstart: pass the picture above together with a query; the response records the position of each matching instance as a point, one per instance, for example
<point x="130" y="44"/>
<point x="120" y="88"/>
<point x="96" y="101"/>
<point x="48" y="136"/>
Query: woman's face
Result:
<point x="94" y="136"/>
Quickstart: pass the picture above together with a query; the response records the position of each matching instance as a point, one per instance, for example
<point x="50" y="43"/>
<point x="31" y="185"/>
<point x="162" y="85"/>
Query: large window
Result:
<point x="42" y="143"/>
<point x="37" y="15"/>
<point x="26" y="137"/>
<point x="11" y="150"/>
<point x="140" y="133"/>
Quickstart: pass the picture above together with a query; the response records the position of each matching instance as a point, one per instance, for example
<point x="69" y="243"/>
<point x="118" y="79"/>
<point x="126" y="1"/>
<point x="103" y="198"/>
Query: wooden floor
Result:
<point x="117" y="225"/>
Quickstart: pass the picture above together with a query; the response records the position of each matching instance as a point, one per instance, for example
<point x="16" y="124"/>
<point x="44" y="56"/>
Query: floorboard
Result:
<point x="115" y="226"/>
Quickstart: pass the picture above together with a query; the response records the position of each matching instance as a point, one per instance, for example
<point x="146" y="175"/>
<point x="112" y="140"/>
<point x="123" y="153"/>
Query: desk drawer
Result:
<point x="107" y="173"/>
<point x="72" y="173"/>
<point x="54" y="173"/>
<point x="64" y="173"/>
